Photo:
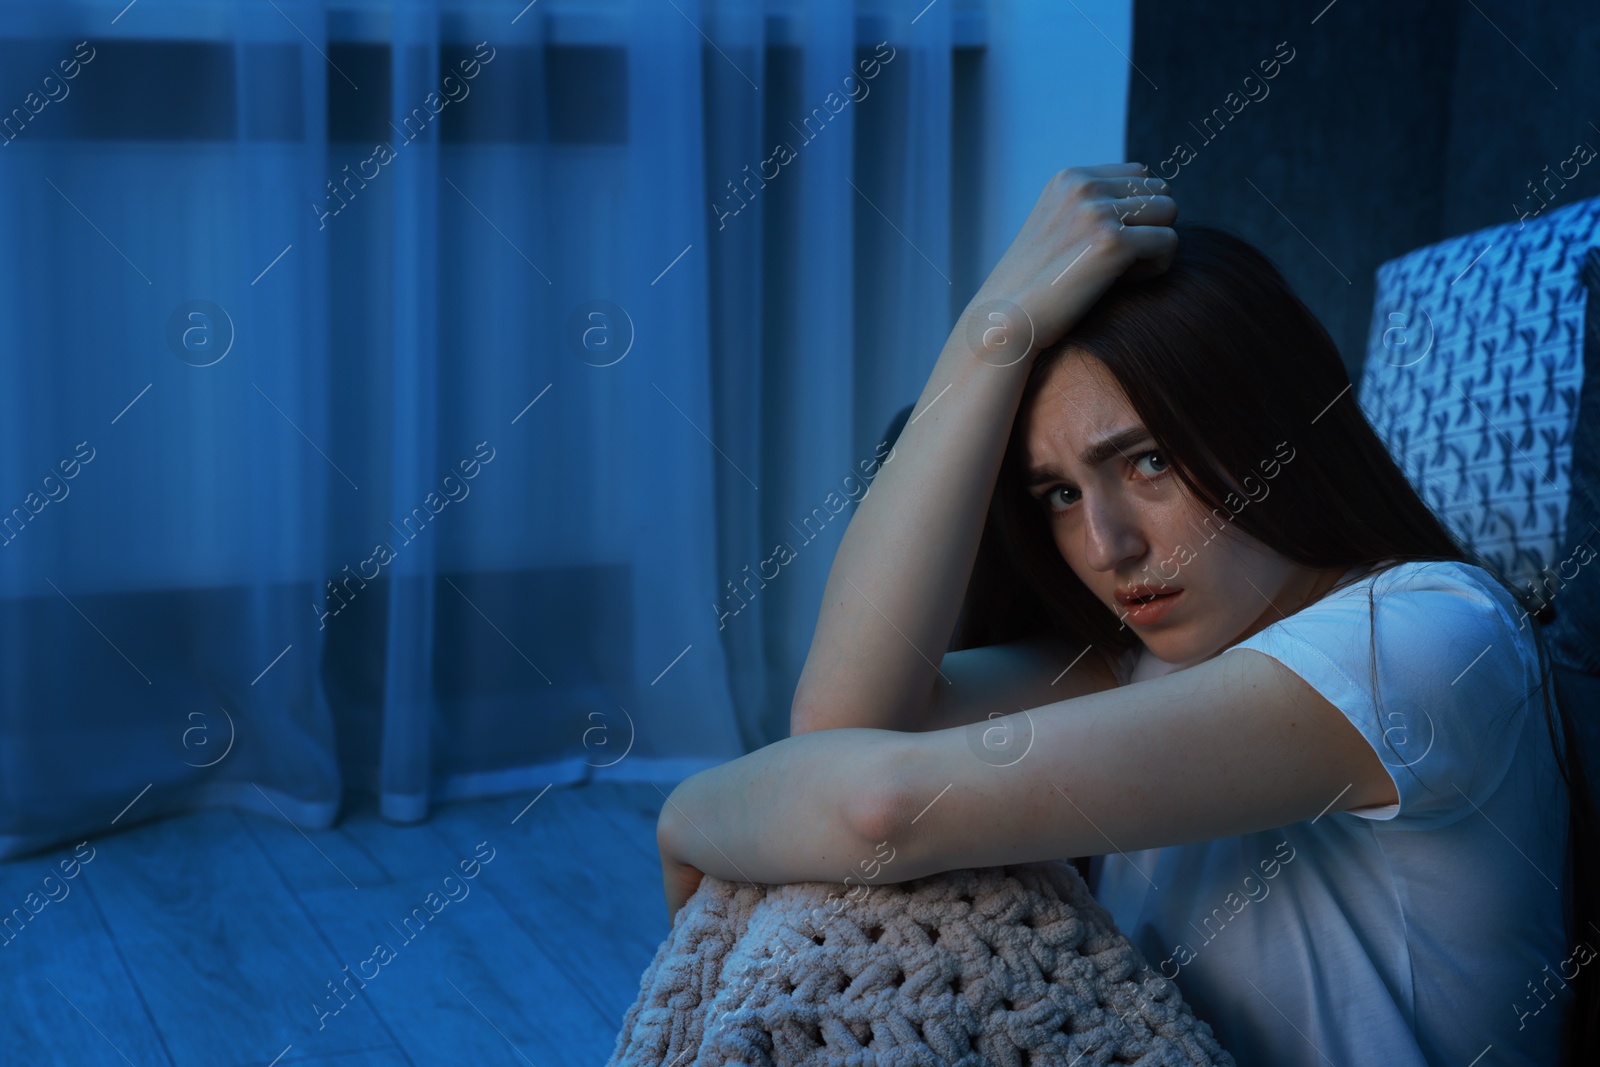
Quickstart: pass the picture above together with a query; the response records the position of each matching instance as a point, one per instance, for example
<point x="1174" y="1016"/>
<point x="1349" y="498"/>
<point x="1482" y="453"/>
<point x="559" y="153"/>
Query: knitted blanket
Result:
<point x="1015" y="966"/>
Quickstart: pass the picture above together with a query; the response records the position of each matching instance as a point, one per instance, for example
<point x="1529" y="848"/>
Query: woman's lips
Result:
<point x="1148" y="612"/>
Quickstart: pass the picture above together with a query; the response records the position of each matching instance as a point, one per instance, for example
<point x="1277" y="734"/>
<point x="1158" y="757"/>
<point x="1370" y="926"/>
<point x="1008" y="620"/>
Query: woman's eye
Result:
<point x="1053" y="498"/>
<point x="1159" y="465"/>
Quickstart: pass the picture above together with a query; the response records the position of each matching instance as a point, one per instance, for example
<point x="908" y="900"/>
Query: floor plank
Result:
<point x="371" y="1057"/>
<point x="68" y="997"/>
<point x="209" y="938"/>
<point x="592" y="898"/>
<point x="576" y="853"/>
<point x="462" y="979"/>
<point x="326" y="859"/>
<point x="219" y="946"/>
<point x="633" y="807"/>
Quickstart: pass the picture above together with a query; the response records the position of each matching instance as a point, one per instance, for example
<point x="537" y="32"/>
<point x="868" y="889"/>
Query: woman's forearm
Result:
<point x="798" y="810"/>
<point x="897" y="582"/>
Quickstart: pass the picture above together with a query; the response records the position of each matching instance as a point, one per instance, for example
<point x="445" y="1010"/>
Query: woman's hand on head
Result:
<point x="1089" y="227"/>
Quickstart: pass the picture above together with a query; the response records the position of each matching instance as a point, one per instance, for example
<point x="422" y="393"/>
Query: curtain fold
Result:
<point x="409" y="707"/>
<point x="436" y="399"/>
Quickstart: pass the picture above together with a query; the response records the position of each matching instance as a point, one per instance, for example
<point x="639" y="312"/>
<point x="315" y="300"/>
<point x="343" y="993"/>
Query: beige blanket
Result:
<point x="1016" y="966"/>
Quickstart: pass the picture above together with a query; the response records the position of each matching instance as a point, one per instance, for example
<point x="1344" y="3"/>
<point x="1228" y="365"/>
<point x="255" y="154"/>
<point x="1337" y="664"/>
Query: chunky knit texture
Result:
<point x="1013" y="966"/>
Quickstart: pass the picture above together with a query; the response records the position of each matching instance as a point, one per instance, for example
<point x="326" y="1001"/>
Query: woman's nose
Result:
<point x="1110" y="536"/>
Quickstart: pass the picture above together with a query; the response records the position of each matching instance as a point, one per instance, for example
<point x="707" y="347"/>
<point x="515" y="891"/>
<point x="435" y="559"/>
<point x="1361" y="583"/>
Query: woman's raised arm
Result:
<point x="896" y="585"/>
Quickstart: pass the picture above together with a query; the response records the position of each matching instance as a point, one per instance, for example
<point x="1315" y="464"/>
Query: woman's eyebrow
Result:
<point x="1111" y="445"/>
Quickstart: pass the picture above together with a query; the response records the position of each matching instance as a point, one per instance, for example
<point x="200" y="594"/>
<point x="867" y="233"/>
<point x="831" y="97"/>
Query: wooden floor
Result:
<point x="218" y="938"/>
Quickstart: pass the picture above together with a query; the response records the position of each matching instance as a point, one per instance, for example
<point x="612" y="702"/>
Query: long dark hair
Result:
<point x="1227" y="367"/>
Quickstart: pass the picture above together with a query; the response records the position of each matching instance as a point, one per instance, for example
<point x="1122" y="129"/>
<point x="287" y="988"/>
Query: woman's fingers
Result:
<point x="1146" y="210"/>
<point x="1134" y="186"/>
<point x="1122" y="180"/>
<point x="1154" y="247"/>
<point x="1114" y="170"/>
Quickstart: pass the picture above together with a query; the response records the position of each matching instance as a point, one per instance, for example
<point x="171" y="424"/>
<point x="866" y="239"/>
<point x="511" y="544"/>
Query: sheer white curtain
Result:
<point x="477" y="392"/>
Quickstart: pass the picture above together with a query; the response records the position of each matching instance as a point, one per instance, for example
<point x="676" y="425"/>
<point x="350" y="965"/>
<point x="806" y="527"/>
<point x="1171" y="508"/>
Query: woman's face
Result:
<point x="1127" y="526"/>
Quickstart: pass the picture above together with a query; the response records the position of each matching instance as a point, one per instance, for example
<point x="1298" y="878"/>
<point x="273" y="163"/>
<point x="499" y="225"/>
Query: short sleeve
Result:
<point x="1455" y="678"/>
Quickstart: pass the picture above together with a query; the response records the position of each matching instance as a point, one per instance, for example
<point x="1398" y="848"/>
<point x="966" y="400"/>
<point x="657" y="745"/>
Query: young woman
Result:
<point x="1348" y="841"/>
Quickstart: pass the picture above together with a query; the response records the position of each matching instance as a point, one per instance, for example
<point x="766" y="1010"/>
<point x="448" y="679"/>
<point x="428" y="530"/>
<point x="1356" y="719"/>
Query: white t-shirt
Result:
<point x="1417" y="933"/>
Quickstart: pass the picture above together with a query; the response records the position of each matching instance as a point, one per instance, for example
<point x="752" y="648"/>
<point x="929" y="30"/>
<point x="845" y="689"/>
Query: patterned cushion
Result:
<point x="1575" y="637"/>
<point x="1473" y="377"/>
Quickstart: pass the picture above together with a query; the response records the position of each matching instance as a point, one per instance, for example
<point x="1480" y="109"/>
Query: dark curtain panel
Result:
<point x="1338" y="136"/>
